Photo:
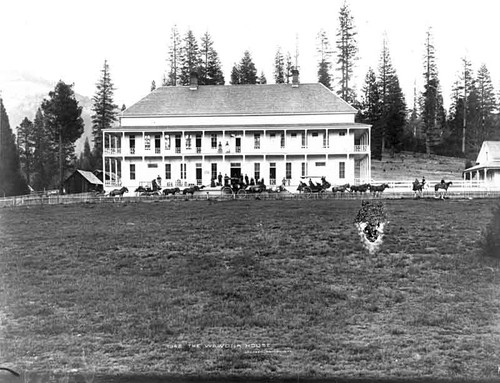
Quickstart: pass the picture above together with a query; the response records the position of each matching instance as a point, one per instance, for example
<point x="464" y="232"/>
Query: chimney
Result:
<point x="193" y="85"/>
<point x="295" y="78"/>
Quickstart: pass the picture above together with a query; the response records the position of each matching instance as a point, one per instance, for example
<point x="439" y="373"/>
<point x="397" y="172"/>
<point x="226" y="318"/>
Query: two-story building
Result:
<point x="189" y="134"/>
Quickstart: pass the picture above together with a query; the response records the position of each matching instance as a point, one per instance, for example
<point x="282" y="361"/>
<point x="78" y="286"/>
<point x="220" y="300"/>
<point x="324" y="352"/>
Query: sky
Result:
<point x="69" y="40"/>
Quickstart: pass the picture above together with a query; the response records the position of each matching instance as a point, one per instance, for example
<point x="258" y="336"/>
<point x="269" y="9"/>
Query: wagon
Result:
<point x="310" y="184"/>
<point x="240" y="189"/>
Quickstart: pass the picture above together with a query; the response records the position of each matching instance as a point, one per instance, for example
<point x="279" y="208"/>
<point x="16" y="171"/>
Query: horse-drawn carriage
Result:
<point x="313" y="186"/>
<point x="240" y="189"/>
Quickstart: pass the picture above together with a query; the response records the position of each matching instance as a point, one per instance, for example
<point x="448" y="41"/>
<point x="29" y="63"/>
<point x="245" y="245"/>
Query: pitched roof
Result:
<point x="89" y="176"/>
<point x="494" y="149"/>
<point x="239" y="99"/>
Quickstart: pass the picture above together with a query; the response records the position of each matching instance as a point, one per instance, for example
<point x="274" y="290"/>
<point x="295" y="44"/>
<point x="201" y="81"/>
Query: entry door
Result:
<point x="235" y="170"/>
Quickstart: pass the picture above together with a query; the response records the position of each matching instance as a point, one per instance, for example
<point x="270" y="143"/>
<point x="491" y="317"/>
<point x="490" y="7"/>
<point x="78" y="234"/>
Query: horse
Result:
<point x="377" y="189"/>
<point x="442" y="185"/>
<point x="360" y="188"/>
<point x="172" y="191"/>
<point x="192" y="189"/>
<point x="118" y="192"/>
<point x="341" y="188"/>
<point x="418" y="188"/>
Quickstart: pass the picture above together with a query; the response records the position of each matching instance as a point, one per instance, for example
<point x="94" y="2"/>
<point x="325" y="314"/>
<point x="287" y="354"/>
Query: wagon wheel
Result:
<point x="241" y="193"/>
<point x="227" y="190"/>
<point x="308" y="192"/>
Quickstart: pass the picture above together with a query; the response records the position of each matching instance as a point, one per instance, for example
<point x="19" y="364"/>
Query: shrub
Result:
<point x="490" y="241"/>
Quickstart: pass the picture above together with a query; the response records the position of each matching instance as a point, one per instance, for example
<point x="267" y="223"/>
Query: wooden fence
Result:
<point x="459" y="189"/>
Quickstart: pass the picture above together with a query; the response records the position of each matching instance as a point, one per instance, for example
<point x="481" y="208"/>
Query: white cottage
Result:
<point x="487" y="166"/>
<point x="189" y="135"/>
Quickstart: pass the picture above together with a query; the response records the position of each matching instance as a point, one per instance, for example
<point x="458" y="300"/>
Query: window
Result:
<point x="304" y="140"/>
<point x="199" y="173"/>
<point x="213" y="140"/>
<point x="147" y="142"/>
<point x="315" y="134"/>
<point x="272" y="173"/>
<point x="168" y="171"/>
<point x="303" y="169"/>
<point x="256" y="141"/>
<point x="320" y="163"/>
<point x="293" y="134"/>
<point x="132" y="145"/>
<point x="282" y="140"/>
<point x="214" y="172"/>
<point x="132" y="171"/>
<point x="256" y="171"/>
<point x="167" y="142"/>
<point x="157" y="143"/>
<point x="326" y="140"/>
<point x="342" y="133"/>
<point x="152" y="165"/>
<point x="288" y="170"/>
<point x="188" y="141"/>
<point x="183" y="171"/>
<point x="272" y="135"/>
<point x="341" y="169"/>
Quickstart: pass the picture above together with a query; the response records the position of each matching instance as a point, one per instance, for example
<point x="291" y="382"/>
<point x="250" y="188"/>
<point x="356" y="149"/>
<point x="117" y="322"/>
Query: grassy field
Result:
<point x="249" y="288"/>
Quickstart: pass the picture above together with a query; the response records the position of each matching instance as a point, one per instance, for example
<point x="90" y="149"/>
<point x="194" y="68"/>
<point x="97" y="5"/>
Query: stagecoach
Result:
<point x="313" y="184"/>
<point x="240" y="189"/>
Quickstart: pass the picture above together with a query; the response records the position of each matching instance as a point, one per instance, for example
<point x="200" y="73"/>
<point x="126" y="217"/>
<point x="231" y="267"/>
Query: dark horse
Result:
<point x="360" y="188"/>
<point x="418" y="188"/>
<point x="341" y="188"/>
<point x="172" y="191"/>
<point x="442" y="185"/>
<point x="192" y="189"/>
<point x="118" y="192"/>
<point x="377" y="189"/>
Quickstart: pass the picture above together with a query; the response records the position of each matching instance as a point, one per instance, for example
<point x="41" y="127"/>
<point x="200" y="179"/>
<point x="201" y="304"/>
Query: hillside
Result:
<point x="409" y="165"/>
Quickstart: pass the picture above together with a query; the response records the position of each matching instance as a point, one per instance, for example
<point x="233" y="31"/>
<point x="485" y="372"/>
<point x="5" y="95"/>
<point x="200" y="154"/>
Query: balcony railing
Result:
<point x="238" y="149"/>
<point x="132" y="150"/>
<point x="198" y="149"/>
<point x="157" y="150"/>
<point x="112" y="150"/>
<point x="177" y="150"/>
<point x="360" y="148"/>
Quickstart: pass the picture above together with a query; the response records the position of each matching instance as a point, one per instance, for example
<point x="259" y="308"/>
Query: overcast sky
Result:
<point x="69" y="40"/>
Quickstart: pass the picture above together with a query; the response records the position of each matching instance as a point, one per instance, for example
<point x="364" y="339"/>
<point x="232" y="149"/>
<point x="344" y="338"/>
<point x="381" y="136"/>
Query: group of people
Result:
<point x="228" y="181"/>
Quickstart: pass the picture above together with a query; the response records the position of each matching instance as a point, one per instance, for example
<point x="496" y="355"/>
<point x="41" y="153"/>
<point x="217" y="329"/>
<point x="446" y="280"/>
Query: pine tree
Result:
<point x="210" y="68"/>
<point x="324" y="64"/>
<point x="433" y="114"/>
<point x="371" y="111"/>
<point x="235" y="75"/>
<point x="262" y="78"/>
<point x="44" y="155"/>
<point x="279" y="67"/>
<point x="190" y="58"/>
<point x="86" y="160"/>
<point x="11" y="180"/>
<point x="64" y="122"/>
<point x="25" y="147"/>
<point x="288" y="67"/>
<point x="487" y="103"/>
<point x="247" y="70"/>
<point x="347" y="53"/>
<point x="393" y="109"/>
<point x="105" y="111"/>
<point x="174" y="55"/>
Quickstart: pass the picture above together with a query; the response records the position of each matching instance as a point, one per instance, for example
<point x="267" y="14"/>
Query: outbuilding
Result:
<point x="82" y="181"/>
<point x="487" y="167"/>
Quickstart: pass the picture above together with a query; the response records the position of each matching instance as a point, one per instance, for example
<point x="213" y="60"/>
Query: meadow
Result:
<point x="249" y="288"/>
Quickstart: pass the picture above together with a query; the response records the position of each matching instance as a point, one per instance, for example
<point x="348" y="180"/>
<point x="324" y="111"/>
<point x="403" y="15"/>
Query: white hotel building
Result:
<point x="189" y="134"/>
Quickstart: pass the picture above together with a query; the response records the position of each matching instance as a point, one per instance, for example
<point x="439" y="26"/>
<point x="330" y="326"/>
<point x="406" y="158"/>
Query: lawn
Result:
<point x="249" y="288"/>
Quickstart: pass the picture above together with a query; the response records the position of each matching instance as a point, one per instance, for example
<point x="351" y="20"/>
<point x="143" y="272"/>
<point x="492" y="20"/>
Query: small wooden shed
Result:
<point x="82" y="181"/>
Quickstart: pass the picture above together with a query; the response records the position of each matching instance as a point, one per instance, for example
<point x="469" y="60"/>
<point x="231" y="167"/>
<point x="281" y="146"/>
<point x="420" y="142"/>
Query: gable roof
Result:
<point x="239" y="99"/>
<point x="89" y="176"/>
<point x="493" y="148"/>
